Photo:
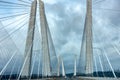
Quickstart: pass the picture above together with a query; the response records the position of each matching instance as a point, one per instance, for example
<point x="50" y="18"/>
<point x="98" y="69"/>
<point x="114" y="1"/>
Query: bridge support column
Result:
<point x="58" y="66"/>
<point x="88" y="32"/>
<point x="63" y="69"/>
<point x="46" y="71"/>
<point x="75" y="65"/>
<point x="29" y="42"/>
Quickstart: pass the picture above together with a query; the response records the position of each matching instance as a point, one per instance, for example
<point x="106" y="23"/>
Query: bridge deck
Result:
<point x="78" y="78"/>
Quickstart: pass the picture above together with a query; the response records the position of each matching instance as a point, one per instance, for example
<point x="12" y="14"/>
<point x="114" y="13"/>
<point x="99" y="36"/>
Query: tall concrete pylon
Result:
<point x="29" y="42"/>
<point x="46" y="70"/>
<point x="63" y="68"/>
<point x="61" y="64"/>
<point x="88" y="32"/>
<point x="75" y="63"/>
<point x="58" y="66"/>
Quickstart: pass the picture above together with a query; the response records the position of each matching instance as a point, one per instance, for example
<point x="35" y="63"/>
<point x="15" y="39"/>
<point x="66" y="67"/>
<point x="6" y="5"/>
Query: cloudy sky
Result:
<point x="66" y="18"/>
<point x="66" y="22"/>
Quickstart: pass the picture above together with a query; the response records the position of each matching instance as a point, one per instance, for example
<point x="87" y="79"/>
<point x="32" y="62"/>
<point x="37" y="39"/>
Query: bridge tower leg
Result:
<point x="29" y="42"/>
<point x="46" y="70"/>
<point x="63" y="68"/>
<point x="88" y="32"/>
<point x="75" y="67"/>
<point x="58" y="66"/>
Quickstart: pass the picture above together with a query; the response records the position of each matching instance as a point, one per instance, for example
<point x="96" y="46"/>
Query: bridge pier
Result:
<point x="88" y="32"/>
<point x="75" y="65"/>
<point x="46" y="70"/>
<point x="26" y="68"/>
<point x="87" y="48"/>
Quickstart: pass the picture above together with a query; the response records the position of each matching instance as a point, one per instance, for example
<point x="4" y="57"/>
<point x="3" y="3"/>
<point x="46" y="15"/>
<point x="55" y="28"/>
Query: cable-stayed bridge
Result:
<point x="36" y="57"/>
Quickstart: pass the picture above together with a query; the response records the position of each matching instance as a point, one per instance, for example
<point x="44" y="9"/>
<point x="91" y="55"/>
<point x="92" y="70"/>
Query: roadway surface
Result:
<point x="78" y="78"/>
